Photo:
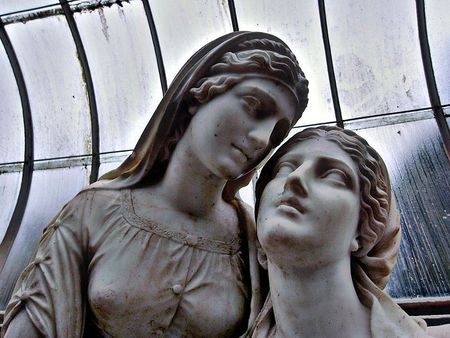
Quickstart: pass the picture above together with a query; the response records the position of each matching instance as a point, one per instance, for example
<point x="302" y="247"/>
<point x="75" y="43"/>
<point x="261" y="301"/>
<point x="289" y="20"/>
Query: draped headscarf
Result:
<point x="144" y="164"/>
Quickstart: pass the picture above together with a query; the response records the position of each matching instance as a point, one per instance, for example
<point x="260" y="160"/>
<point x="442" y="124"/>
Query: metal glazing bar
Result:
<point x="55" y="9"/>
<point x="156" y="45"/>
<point x="385" y="119"/>
<point x="331" y="75"/>
<point x="27" y="173"/>
<point x="90" y="90"/>
<point x="429" y="75"/>
<point x="33" y="9"/>
<point x="234" y="19"/>
<point x="62" y="162"/>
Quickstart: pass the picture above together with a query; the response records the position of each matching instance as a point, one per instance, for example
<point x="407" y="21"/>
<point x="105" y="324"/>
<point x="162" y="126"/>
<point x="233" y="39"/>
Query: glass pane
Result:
<point x="10" y="180"/>
<point x="122" y="61"/>
<point x="8" y="6"/>
<point x="50" y="190"/>
<point x="298" y="24"/>
<point x="438" y="28"/>
<point x="376" y="56"/>
<point x="247" y="194"/>
<point x="420" y="175"/>
<point x="11" y="118"/>
<point x="59" y="105"/>
<point x="185" y="26"/>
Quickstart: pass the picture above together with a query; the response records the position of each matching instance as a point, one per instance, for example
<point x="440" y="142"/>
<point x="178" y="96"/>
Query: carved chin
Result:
<point x="273" y="237"/>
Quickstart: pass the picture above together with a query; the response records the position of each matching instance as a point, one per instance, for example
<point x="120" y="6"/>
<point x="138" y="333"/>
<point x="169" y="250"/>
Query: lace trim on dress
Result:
<point x="207" y="244"/>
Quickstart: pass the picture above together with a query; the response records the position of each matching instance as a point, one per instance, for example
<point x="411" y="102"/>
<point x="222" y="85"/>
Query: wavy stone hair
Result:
<point x="261" y="56"/>
<point x="375" y="200"/>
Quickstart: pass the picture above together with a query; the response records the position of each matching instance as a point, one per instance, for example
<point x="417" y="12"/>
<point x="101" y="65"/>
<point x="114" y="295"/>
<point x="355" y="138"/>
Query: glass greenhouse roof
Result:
<point x="80" y="79"/>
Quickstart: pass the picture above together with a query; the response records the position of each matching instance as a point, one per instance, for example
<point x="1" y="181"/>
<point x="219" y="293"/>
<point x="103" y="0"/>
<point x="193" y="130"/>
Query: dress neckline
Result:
<point x="202" y="243"/>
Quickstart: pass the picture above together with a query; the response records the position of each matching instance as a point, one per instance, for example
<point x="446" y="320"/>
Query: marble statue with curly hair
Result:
<point x="329" y="232"/>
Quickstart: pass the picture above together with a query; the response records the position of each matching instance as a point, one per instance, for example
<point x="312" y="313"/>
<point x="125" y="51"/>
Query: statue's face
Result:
<point x="309" y="211"/>
<point x="231" y="133"/>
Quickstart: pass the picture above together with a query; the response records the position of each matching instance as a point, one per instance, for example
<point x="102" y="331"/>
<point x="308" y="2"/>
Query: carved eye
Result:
<point x="336" y="176"/>
<point x="284" y="169"/>
<point x="252" y="105"/>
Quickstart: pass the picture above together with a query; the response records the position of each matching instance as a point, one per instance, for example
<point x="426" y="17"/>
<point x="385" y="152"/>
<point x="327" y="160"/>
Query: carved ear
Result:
<point x="354" y="245"/>
<point x="262" y="257"/>
<point x="193" y="109"/>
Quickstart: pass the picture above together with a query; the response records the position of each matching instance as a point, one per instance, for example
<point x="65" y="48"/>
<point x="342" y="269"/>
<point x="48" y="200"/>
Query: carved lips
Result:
<point x="294" y="203"/>
<point x="240" y="150"/>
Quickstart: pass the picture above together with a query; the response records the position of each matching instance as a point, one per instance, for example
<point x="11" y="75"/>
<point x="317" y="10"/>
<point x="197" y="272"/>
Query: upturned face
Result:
<point x="231" y="134"/>
<point x="309" y="211"/>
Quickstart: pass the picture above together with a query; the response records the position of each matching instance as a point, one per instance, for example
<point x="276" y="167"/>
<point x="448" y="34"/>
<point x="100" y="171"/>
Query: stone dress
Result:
<point x="103" y="269"/>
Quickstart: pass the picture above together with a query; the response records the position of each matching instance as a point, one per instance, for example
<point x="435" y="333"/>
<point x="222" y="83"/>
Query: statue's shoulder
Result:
<point x="91" y="206"/>
<point x="100" y="195"/>
<point x="101" y="192"/>
<point x="440" y="331"/>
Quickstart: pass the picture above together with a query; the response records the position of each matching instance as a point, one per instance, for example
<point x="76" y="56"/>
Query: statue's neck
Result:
<point x="188" y="185"/>
<point x="317" y="302"/>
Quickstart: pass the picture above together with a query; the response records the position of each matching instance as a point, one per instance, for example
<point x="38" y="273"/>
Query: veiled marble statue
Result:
<point x="329" y="233"/>
<point x="162" y="246"/>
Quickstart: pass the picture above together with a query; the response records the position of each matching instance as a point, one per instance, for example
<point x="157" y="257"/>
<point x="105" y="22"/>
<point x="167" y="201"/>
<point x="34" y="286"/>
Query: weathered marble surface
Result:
<point x="329" y="233"/>
<point x="161" y="246"/>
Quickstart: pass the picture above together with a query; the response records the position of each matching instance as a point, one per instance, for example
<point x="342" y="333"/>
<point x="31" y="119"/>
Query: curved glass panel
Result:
<point x="376" y="56"/>
<point x="120" y="52"/>
<point x="11" y="118"/>
<point x="185" y="26"/>
<point x="247" y="194"/>
<point x="420" y="177"/>
<point x="10" y="180"/>
<point x="59" y="105"/>
<point x="50" y="190"/>
<point x="438" y="28"/>
<point x="298" y="24"/>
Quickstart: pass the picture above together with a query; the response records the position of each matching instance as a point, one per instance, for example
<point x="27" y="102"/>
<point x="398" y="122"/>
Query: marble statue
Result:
<point x="161" y="246"/>
<point x="329" y="233"/>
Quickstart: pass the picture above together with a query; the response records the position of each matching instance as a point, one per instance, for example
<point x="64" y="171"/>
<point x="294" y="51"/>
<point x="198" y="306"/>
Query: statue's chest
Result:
<point x="161" y="284"/>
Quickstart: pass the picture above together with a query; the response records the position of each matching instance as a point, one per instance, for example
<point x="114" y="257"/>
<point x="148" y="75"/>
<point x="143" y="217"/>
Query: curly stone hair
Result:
<point x="375" y="200"/>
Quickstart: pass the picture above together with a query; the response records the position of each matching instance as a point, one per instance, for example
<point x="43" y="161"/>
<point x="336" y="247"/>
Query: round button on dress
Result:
<point x="177" y="289"/>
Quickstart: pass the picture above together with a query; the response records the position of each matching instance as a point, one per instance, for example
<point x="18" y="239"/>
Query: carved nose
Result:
<point x="260" y="137"/>
<point x="297" y="181"/>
